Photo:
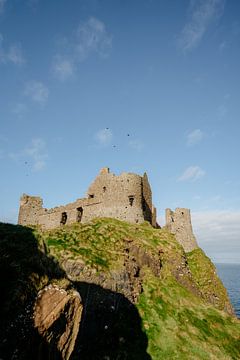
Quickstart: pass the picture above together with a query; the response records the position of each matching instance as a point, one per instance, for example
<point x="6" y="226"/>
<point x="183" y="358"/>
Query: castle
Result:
<point x="125" y="197"/>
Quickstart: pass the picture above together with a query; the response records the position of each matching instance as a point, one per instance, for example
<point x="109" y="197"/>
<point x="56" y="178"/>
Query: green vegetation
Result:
<point x="204" y="274"/>
<point x="179" y="323"/>
<point x="181" y="309"/>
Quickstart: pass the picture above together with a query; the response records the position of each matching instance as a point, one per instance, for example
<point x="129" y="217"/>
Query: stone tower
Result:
<point x="178" y="222"/>
<point x="125" y="197"/>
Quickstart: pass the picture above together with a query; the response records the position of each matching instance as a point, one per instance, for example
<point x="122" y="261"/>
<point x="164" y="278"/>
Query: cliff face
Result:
<point x="111" y="290"/>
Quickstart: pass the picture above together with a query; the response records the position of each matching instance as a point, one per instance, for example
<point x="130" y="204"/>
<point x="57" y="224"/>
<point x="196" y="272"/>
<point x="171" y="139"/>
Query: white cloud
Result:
<point x="218" y="232"/>
<point x="63" y="68"/>
<point x="222" y="46"/>
<point x="192" y="173"/>
<point x="2" y="4"/>
<point x="91" y="37"/>
<point x="35" y="154"/>
<point x="15" y="54"/>
<point x="12" y="54"/>
<point x="104" y="137"/>
<point x="222" y="111"/>
<point x="203" y="13"/>
<point x="19" y="109"/>
<point x="37" y="91"/>
<point x="194" y="137"/>
<point x="136" y="145"/>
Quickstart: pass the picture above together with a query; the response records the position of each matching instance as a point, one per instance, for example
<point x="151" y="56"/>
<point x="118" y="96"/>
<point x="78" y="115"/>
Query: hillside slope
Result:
<point x="143" y="297"/>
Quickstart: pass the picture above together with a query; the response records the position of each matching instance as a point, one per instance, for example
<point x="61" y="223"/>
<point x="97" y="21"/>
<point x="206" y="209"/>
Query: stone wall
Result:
<point x="30" y="208"/>
<point x="125" y="197"/>
<point x="179" y="223"/>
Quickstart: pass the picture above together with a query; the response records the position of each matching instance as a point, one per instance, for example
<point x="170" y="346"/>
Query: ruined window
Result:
<point x="172" y="219"/>
<point x="144" y="204"/>
<point x="182" y="213"/>
<point x="63" y="218"/>
<point x="79" y="214"/>
<point x="90" y="196"/>
<point x="131" y="199"/>
<point x="104" y="189"/>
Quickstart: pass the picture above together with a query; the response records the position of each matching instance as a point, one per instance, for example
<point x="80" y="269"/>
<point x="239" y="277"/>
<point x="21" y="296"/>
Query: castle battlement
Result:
<point x="127" y="197"/>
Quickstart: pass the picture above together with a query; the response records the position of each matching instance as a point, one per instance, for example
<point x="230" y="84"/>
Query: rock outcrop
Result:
<point x="57" y="315"/>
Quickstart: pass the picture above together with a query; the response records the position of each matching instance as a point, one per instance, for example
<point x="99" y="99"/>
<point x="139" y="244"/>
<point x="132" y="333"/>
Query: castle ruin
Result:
<point x="125" y="197"/>
<point x="178" y="222"/>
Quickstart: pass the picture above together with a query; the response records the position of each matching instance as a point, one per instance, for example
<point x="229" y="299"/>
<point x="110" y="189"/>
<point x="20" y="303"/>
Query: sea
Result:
<point x="230" y="276"/>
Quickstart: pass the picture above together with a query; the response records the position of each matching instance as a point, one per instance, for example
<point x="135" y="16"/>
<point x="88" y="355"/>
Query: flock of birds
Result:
<point x="114" y="146"/>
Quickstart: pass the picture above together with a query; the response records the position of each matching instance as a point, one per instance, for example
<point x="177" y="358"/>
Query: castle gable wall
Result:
<point x="179" y="223"/>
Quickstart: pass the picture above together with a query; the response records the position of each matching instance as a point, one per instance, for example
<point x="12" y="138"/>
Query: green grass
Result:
<point x="181" y="309"/>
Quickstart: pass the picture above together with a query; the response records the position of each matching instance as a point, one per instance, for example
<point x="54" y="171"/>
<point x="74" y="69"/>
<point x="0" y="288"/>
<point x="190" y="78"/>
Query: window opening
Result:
<point x="104" y="189"/>
<point x="90" y="196"/>
<point x="63" y="218"/>
<point x="79" y="214"/>
<point x="131" y="199"/>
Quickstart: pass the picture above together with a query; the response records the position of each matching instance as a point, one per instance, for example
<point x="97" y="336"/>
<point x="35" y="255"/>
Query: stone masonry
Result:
<point x="125" y="197"/>
<point x="178" y="222"/>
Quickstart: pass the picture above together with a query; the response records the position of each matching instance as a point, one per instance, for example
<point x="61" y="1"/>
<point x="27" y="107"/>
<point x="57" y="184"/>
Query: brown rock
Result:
<point x="57" y="315"/>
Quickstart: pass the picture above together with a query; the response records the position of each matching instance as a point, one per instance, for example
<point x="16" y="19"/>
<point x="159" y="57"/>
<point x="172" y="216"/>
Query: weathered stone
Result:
<point x="57" y="315"/>
<point x="125" y="197"/>
<point x="178" y="222"/>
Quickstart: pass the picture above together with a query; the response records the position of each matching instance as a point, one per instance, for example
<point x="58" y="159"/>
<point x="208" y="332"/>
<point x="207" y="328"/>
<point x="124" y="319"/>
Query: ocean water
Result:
<point x="230" y="276"/>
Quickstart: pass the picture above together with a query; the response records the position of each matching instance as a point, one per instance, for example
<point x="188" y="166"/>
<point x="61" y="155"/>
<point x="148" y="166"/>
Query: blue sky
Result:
<point x="78" y="76"/>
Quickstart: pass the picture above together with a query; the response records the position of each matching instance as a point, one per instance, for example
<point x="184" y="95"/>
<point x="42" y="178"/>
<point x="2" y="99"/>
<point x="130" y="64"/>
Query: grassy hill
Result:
<point x="144" y="297"/>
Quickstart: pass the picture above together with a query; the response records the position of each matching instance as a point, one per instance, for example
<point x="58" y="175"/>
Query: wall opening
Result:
<point x="104" y="189"/>
<point x="90" y="196"/>
<point x="79" y="214"/>
<point x="143" y="204"/>
<point x="63" y="218"/>
<point x="131" y="200"/>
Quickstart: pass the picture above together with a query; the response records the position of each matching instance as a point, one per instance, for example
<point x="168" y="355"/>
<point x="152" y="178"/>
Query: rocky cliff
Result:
<point x="110" y="290"/>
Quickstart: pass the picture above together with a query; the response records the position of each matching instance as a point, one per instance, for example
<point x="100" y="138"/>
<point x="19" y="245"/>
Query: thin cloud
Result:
<point x="194" y="137"/>
<point x="63" y="68"/>
<point x="35" y="154"/>
<point x="37" y="91"/>
<point x="136" y="145"/>
<point x="104" y="137"/>
<point x="192" y="173"/>
<point x="222" y="111"/>
<point x="12" y="54"/>
<point x="218" y="232"/>
<point x="19" y="109"/>
<point x="2" y="5"/>
<point x="203" y="13"/>
<point x="91" y="37"/>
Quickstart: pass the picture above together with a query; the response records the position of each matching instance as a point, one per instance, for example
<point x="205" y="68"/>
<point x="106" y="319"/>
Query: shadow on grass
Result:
<point x="110" y="327"/>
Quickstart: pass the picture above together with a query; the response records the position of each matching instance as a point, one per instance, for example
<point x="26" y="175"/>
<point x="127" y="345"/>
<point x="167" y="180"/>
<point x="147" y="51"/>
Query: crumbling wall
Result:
<point x="121" y="196"/>
<point x="30" y="209"/>
<point x="179" y="223"/>
<point x="125" y="197"/>
<point x="146" y="199"/>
